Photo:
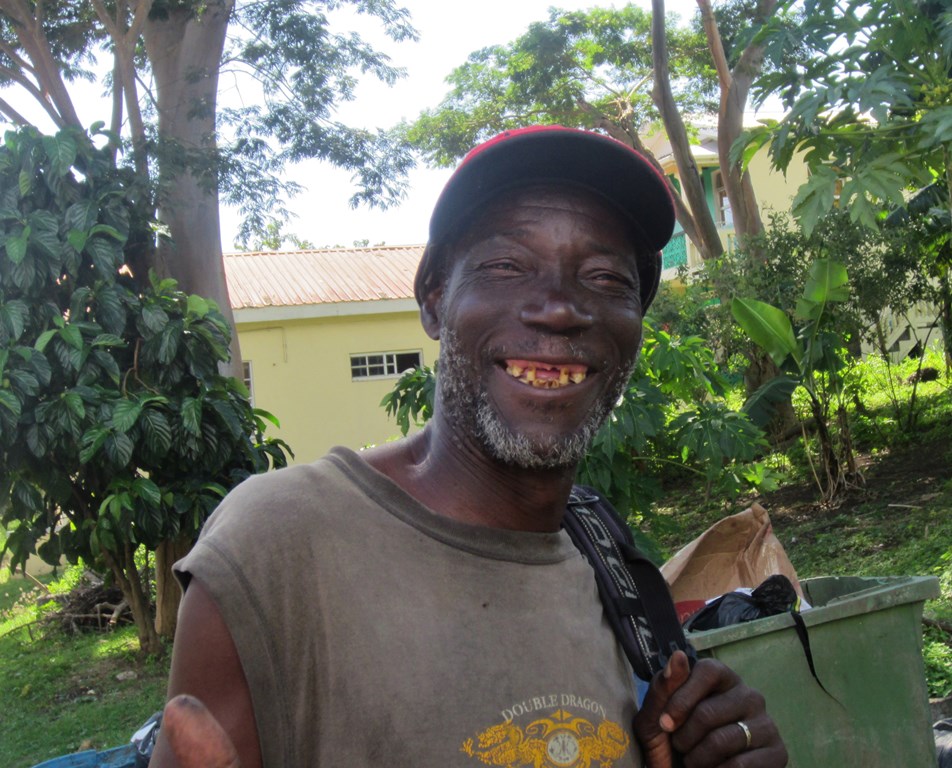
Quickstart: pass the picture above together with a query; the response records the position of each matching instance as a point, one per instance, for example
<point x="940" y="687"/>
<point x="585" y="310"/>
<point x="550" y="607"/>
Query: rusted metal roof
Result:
<point x="326" y="276"/>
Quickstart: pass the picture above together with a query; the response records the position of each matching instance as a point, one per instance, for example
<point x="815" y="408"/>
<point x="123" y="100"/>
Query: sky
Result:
<point x="448" y="32"/>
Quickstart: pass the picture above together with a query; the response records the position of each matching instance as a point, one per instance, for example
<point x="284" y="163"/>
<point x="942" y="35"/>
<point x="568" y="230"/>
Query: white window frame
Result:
<point x="368" y="366"/>
<point x="722" y="203"/>
<point x="247" y="376"/>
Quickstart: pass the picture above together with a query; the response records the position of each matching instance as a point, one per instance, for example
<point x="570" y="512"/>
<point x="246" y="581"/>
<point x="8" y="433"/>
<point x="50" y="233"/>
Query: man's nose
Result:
<point x="556" y="310"/>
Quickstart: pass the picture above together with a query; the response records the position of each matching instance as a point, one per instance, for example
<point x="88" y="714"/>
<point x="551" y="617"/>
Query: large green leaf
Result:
<point x="762" y="405"/>
<point x="815" y="197"/>
<point x="827" y="282"/>
<point x="13" y="318"/>
<point x="9" y="401"/>
<point x="16" y="246"/>
<point x="91" y="442"/>
<point x="157" y="432"/>
<point x="61" y="150"/>
<point x="769" y="328"/>
<point x="192" y="415"/>
<point x="125" y="414"/>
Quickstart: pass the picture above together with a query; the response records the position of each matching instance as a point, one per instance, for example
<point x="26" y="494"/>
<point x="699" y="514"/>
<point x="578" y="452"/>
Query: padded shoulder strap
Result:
<point x="633" y="591"/>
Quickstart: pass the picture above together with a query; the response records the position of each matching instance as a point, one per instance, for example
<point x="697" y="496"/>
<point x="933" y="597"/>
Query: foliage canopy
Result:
<point x="116" y="428"/>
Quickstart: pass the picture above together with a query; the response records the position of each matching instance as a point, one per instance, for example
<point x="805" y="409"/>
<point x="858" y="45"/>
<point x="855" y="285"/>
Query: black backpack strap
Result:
<point x="633" y="591"/>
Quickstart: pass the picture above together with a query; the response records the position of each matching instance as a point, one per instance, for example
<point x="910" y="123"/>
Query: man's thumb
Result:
<point x="195" y="736"/>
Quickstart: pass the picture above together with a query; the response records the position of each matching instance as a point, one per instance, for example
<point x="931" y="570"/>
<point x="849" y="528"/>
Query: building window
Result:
<point x="378" y="365"/>
<point x="722" y="203"/>
<point x="248" y="379"/>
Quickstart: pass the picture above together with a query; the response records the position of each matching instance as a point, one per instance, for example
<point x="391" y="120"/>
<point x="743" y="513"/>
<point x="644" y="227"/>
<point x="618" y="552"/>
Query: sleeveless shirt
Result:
<point x="373" y="631"/>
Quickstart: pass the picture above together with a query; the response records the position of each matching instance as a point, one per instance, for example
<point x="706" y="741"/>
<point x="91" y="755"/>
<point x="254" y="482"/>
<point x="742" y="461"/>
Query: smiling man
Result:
<point x="418" y="604"/>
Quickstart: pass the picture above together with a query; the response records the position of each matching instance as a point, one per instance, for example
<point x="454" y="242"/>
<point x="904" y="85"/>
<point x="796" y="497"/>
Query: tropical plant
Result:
<point x="884" y="265"/>
<point x="116" y="429"/>
<point x="812" y="359"/>
<point x="411" y="400"/>
<point x="869" y="109"/>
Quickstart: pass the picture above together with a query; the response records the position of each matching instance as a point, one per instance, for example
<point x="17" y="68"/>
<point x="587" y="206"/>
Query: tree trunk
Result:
<point x="735" y="90"/>
<point x="846" y="441"/>
<point x="708" y="239"/>
<point x="168" y="595"/>
<point x="123" y="568"/>
<point x="185" y="51"/>
<point x="760" y="369"/>
<point x="945" y="317"/>
<point x="828" y="460"/>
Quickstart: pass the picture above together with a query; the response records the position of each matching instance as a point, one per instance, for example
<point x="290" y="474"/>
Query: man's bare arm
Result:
<point x="220" y="727"/>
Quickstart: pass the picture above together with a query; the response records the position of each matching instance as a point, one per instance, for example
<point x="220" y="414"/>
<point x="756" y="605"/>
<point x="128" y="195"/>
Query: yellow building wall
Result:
<point x="301" y="374"/>
<point x="775" y="191"/>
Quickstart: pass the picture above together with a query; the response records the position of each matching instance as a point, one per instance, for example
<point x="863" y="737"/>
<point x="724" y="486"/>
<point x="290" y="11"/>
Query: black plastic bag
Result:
<point x="773" y="596"/>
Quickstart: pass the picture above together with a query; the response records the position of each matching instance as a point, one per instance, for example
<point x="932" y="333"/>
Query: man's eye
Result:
<point x="613" y="278"/>
<point x="500" y="266"/>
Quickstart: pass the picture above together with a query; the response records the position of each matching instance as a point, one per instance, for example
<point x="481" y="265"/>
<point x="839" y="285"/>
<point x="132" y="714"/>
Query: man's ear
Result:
<point x="430" y="311"/>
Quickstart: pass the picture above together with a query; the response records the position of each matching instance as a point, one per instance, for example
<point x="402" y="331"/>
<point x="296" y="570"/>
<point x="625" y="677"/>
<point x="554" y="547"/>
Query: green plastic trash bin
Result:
<point x="866" y="640"/>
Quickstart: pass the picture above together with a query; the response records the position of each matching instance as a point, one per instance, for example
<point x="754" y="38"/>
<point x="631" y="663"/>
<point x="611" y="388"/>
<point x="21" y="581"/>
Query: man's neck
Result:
<point x="459" y="481"/>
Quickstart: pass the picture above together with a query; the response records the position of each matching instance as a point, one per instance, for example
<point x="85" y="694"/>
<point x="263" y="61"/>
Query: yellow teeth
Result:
<point x="528" y="375"/>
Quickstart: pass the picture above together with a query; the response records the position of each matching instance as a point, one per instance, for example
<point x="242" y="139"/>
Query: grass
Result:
<point x="61" y="694"/>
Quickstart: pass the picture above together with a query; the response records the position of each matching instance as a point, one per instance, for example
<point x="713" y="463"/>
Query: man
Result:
<point x="418" y="604"/>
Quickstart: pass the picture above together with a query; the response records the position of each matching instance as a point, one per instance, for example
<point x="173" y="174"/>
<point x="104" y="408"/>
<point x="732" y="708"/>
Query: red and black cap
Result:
<point x="556" y="154"/>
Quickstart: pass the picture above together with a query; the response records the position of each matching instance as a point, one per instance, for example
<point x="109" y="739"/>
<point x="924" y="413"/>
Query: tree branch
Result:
<point x="30" y="87"/>
<point x="715" y="44"/>
<point x="12" y="114"/>
<point x="10" y="51"/>
<point x="32" y="38"/>
<point x="706" y="237"/>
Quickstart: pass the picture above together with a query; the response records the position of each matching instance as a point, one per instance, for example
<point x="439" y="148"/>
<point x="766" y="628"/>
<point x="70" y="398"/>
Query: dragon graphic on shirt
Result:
<point x="560" y="741"/>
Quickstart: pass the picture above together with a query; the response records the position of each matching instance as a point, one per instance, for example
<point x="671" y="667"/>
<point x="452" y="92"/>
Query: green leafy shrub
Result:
<point x="116" y="428"/>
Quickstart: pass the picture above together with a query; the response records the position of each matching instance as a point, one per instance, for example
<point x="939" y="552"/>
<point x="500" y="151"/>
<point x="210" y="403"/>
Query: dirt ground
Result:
<point x="906" y="477"/>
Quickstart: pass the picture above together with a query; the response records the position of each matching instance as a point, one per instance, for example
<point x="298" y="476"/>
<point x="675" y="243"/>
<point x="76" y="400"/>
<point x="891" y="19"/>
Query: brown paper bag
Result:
<point x="737" y="551"/>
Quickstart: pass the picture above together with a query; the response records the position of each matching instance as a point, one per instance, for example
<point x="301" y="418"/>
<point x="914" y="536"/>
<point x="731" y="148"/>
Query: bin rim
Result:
<point x="883" y="592"/>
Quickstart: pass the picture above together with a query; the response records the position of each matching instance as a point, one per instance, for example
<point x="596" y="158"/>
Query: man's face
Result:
<point x="539" y="320"/>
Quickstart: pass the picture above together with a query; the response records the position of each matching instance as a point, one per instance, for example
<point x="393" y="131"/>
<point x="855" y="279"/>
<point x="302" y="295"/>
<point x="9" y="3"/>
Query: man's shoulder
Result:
<point x="302" y="489"/>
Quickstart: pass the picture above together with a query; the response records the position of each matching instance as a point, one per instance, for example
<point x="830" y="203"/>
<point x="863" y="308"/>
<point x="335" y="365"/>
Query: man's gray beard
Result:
<point x="467" y="407"/>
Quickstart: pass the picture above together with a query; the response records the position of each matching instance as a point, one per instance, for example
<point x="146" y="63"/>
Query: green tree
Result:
<point x="117" y="430"/>
<point x="884" y="265"/>
<point x="274" y="238"/>
<point x="167" y="57"/>
<point x="869" y="109"/>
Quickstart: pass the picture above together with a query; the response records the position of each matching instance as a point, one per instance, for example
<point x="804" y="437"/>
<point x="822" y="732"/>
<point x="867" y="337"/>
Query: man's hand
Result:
<point x="709" y="717"/>
<point x="194" y="737"/>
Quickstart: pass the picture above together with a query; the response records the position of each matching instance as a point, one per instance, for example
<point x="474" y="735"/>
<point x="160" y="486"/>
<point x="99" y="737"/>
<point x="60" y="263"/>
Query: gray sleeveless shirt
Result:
<point x="375" y="632"/>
